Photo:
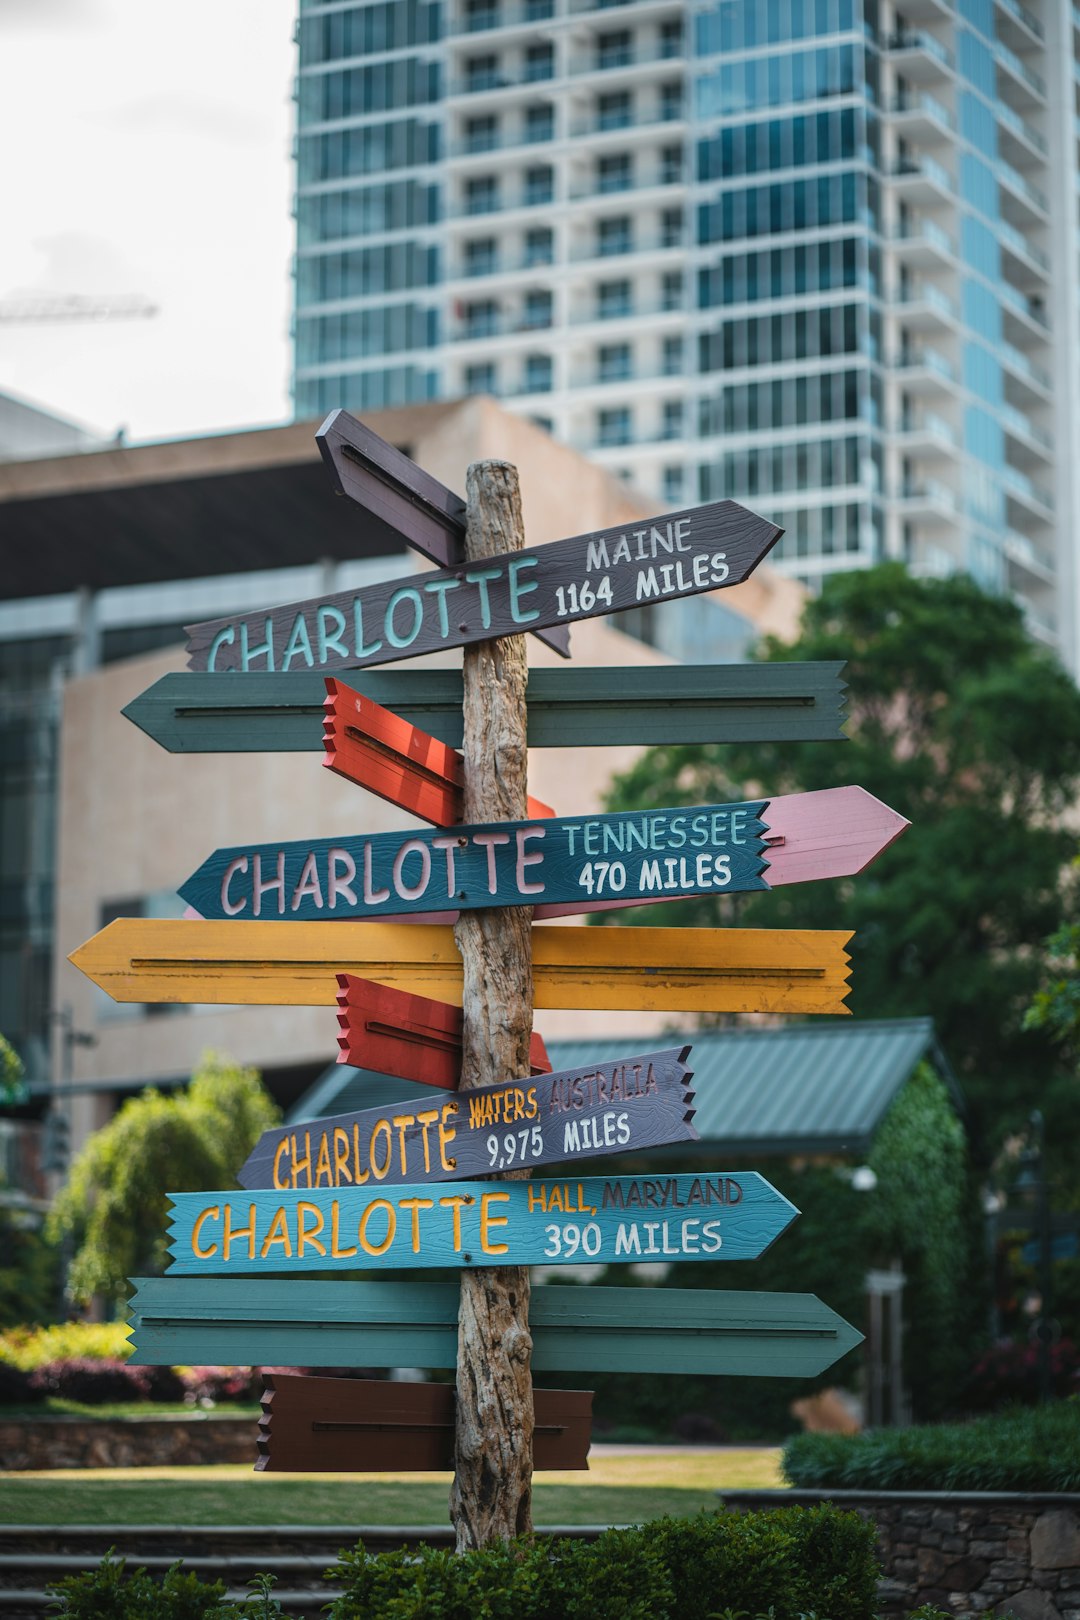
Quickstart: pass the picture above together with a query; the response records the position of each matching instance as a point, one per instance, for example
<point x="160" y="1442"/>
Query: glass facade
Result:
<point x="797" y="252"/>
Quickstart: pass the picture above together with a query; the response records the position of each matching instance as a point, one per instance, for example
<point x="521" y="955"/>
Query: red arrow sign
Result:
<point x="410" y="1036"/>
<point x="375" y="748"/>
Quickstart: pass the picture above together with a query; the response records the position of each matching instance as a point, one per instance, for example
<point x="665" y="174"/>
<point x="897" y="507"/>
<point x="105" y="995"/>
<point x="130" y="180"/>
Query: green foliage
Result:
<point x="114" y="1205"/>
<point x="31" y="1348"/>
<point x="12" y="1084"/>
<point x="1036" y="1449"/>
<point x="108" y="1592"/>
<point x="29" y="1268"/>
<point x="963" y="725"/>
<point x="788" y="1563"/>
<point x="1055" y="1006"/>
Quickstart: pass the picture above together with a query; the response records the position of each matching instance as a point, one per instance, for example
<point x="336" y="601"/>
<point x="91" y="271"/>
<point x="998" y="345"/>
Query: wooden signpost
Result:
<point x="366" y="1425"/>
<point x="296" y="965"/>
<point x="622" y="1106"/>
<point x="244" y="1321"/>
<point x="631" y="855"/>
<point x="375" y="748"/>
<point x="400" y="500"/>
<point x="188" y="713"/>
<point x="682" y="553"/>
<point x="413" y="1037"/>
<point x="408" y="1186"/>
<point x="716" y="1215"/>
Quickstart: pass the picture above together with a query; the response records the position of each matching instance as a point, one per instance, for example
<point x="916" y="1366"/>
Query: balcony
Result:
<point x="1033" y="442"/>
<point x="1018" y="364"/>
<point x="922" y="242"/>
<point x="1023" y="81"/>
<point x="498" y="80"/>
<point x="499" y="325"/>
<point x="1020" y="21"/>
<point x="922" y="115"/>
<point x="1028" y="313"/>
<point x="628" y="309"/>
<point x="632" y="56"/>
<point x="623" y="247"/>
<point x="487" y="206"/>
<point x="920" y="57"/>
<point x="924" y="370"/>
<point x="1019" y="128"/>
<point x="929" y="499"/>
<point x="1022" y="189"/>
<point x="1023" y="553"/>
<point x="927" y="435"/>
<point x="619" y="183"/>
<point x="1025" y="497"/>
<point x="1028" y="255"/>
<point x="925" y="308"/>
<point x="922" y="179"/>
<point x="479" y="145"/>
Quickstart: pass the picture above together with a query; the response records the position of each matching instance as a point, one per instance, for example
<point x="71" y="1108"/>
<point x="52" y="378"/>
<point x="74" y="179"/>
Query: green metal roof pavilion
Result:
<point x="799" y="1089"/>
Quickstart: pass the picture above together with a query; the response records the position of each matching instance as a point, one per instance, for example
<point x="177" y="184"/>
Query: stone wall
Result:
<point x="143" y="1442"/>
<point x="969" y="1554"/>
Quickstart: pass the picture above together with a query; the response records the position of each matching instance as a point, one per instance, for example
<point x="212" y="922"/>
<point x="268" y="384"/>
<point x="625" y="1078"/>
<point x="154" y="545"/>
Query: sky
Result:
<point x="146" y="150"/>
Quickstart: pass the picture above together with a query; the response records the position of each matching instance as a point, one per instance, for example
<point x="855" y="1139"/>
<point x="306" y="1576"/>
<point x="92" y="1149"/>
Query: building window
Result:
<point x="671" y="38"/>
<point x="615" y="110"/>
<point x="481" y="318"/>
<point x="614" y="362"/>
<point x="614" y="49"/>
<point x="482" y="133"/>
<point x="539" y="63"/>
<point x="671" y="357"/>
<point x="672" y="483"/>
<point x="481" y="379"/>
<point x="615" y="172"/>
<point x="482" y="73"/>
<point x="671" y="420"/>
<point x="539" y="246"/>
<point x="671" y="102"/>
<point x="482" y="194"/>
<point x="671" y="227"/>
<point x="614" y="426"/>
<point x="537" y="311"/>
<point x="537" y="376"/>
<point x="480" y="14"/>
<point x="481" y="256"/>
<point x="613" y="299"/>
<point x="671" y="290"/>
<point x="671" y="165"/>
<point x="539" y="186"/>
<point x="539" y="123"/>
<point x="615" y="235"/>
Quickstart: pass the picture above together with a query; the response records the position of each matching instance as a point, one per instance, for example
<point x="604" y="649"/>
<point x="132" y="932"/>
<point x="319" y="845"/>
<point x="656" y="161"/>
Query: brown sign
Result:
<point x="679" y="554"/>
<point x="360" y="1425"/>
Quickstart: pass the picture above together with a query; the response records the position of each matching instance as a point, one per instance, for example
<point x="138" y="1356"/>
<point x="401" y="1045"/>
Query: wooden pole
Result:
<point x="491" y="1497"/>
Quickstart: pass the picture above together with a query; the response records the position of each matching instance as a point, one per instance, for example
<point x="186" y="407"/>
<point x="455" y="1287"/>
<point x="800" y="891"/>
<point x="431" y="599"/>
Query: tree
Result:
<point x="12" y="1082"/>
<point x="115" y="1206"/>
<point x="960" y="722"/>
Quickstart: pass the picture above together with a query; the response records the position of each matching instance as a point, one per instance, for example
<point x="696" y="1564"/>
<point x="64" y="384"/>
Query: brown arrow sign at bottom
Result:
<point x="368" y="1425"/>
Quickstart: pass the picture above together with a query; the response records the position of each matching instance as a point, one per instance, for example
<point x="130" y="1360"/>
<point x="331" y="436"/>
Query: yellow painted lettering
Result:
<point x="401" y="1125"/>
<point x="416" y="1205"/>
<point x="488" y="1220"/>
<point x="446" y="1136"/>
<point x="213" y="1213"/>
<point x="278" y="1233"/>
<point x="342" y="1173"/>
<point x="336" y="1251"/>
<point x="391" y="1224"/>
<point x="455" y="1202"/>
<point x="282" y="1147"/>
<point x="323" y="1165"/>
<point x="304" y="1163"/>
<point x="380" y="1170"/>
<point x="303" y="1234"/>
<point x="232" y="1232"/>
<point x="428" y="1117"/>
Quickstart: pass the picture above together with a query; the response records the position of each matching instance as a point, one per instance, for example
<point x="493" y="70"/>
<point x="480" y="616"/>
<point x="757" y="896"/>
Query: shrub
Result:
<point x="790" y="1562"/>
<point x="17" y="1387"/>
<point x="92" y="1382"/>
<point x="30" y="1348"/>
<point x="107" y="1592"/>
<point x="209" y="1386"/>
<point x="1036" y="1449"/>
<point x="1010" y="1372"/>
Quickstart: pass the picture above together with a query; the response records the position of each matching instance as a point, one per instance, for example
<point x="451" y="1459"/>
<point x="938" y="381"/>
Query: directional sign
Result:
<point x="401" y="500"/>
<point x="412" y="1037"/>
<point x="375" y="748"/>
<point x="830" y="833"/>
<point x="716" y="1215"/>
<point x="612" y="969"/>
<point x="629" y="855"/>
<point x="237" y="1321"/>
<point x="621" y="1106"/>
<point x="580" y="708"/>
<point x="368" y="1425"/>
<point x="678" y="554"/>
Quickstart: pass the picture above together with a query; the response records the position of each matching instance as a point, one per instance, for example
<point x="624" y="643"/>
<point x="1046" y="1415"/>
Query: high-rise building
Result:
<point x="818" y="255"/>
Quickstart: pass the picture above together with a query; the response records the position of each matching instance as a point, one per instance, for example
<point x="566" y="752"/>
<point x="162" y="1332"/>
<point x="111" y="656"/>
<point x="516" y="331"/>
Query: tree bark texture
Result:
<point x="491" y="1497"/>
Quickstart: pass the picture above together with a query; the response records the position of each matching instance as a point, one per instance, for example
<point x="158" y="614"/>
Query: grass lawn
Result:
<point x="623" y="1488"/>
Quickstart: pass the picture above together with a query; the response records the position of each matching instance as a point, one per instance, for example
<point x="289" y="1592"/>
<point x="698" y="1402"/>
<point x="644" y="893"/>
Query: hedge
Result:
<point x="1025" y="1449"/>
<point x="785" y="1564"/>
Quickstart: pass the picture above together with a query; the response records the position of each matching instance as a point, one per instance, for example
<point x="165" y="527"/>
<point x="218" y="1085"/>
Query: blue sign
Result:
<point x="631" y="855"/>
<point x="716" y="1215"/>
